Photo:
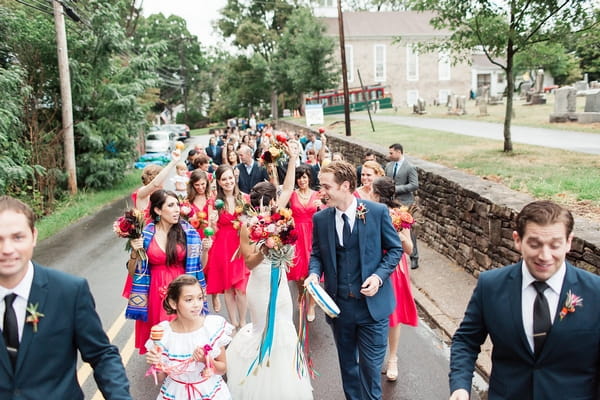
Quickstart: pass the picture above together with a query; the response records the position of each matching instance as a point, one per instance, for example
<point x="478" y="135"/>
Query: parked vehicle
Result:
<point x="182" y="130"/>
<point x="160" y="142"/>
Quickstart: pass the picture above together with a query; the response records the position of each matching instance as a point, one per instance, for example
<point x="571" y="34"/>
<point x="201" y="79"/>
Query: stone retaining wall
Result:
<point x="466" y="218"/>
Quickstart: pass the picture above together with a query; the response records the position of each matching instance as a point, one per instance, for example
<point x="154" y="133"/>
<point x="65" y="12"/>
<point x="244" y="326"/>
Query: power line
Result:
<point x="47" y="11"/>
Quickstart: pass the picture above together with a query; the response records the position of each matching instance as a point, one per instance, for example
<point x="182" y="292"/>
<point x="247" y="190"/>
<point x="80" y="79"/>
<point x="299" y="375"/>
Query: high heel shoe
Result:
<point x="392" y="369"/>
<point x="310" y="315"/>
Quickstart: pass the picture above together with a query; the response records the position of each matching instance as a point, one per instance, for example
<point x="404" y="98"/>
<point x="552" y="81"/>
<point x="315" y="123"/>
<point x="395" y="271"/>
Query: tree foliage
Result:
<point x="504" y="29"/>
<point x="108" y="81"/>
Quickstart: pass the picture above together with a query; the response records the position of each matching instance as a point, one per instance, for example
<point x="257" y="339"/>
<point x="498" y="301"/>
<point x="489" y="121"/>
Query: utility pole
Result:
<point x="344" y="69"/>
<point x="65" y="94"/>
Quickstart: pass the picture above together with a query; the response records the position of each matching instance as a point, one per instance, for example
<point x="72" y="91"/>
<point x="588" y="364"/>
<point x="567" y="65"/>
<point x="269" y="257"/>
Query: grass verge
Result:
<point x="563" y="176"/>
<point x="85" y="203"/>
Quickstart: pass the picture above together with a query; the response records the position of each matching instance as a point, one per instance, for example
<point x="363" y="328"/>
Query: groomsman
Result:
<point x="542" y="315"/>
<point x="48" y="317"/>
<point x="406" y="181"/>
<point x="356" y="248"/>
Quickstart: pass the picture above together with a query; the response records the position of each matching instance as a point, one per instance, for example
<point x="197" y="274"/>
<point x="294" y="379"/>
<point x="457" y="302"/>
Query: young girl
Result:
<point x="191" y="351"/>
<point x="180" y="180"/>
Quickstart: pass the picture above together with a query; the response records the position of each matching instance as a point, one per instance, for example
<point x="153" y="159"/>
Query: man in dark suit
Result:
<point x="542" y="315"/>
<point x="406" y="181"/>
<point x="48" y="316"/>
<point x="214" y="151"/>
<point x="356" y="248"/>
<point x="250" y="172"/>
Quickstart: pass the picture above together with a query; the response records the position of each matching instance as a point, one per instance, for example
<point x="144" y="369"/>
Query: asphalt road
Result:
<point x="560" y="139"/>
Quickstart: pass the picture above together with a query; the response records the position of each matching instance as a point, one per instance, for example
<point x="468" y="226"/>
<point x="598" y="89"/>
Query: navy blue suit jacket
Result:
<point x="216" y="156"/>
<point x="380" y="252"/>
<point x="47" y="359"/>
<point x="569" y="363"/>
<point x="246" y="182"/>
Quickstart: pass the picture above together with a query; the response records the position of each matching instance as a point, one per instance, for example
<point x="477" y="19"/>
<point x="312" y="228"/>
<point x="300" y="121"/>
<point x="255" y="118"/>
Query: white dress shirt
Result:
<point x="339" y="221"/>
<point x="528" y="295"/>
<point x="20" y="304"/>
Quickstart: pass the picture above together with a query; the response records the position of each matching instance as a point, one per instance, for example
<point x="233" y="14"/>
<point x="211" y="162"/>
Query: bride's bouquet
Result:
<point x="275" y="235"/>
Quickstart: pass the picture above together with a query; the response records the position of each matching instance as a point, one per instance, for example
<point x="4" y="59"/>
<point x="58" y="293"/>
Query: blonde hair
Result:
<point x="374" y="165"/>
<point x="150" y="172"/>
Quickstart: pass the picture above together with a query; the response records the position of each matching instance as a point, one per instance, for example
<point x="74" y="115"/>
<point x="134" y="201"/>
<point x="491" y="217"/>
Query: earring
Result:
<point x="157" y="219"/>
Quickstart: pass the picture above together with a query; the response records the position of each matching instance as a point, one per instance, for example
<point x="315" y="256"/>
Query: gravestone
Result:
<point x="419" y="108"/>
<point x="594" y="85"/>
<point x="461" y="105"/>
<point x="539" y="81"/>
<point x="581" y="85"/>
<point x="565" y="105"/>
<point x="524" y="89"/>
<point x="592" y="102"/>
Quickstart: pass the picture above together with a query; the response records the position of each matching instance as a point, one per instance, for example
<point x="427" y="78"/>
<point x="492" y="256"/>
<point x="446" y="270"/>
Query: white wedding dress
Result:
<point x="277" y="378"/>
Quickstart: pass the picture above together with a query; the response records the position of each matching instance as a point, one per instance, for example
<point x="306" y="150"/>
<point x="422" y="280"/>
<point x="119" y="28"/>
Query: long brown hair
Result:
<point x="221" y="169"/>
<point x="176" y="234"/>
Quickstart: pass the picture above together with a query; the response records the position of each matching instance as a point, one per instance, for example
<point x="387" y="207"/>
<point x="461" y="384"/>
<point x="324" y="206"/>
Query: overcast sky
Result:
<point x="199" y="15"/>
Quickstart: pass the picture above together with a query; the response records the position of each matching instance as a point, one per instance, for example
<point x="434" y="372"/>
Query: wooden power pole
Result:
<point x="65" y="94"/>
<point x="344" y="69"/>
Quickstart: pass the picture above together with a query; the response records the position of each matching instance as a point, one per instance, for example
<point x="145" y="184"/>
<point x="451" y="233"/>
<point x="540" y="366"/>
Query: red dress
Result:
<point x="160" y="277"/>
<point x="197" y="210"/>
<point x="304" y="226"/>
<point x="406" y="310"/>
<point x="221" y="271"/>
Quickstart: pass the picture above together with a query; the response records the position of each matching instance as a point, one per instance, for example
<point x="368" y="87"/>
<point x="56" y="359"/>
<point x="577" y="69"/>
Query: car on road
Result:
<point x="182" y="130"/>
<point x="160" y="142"/>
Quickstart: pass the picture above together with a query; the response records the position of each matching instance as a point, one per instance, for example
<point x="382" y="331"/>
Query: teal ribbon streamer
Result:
<point x="266" y="343"/>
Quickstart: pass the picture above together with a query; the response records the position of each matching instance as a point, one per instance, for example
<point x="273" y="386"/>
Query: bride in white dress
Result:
<point x="278" y="377"/>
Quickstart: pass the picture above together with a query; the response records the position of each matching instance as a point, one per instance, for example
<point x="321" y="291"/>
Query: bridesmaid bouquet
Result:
<point x="276" y="234"/>
<point x="130" y="226"/>
<point x="401" y="218"/>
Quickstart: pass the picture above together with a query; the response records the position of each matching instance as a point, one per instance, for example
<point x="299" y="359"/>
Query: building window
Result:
<point x="411" y="97"/>
<point x="443" y="97"/>
<point x="349" y="62"/>
<point x="379" y="63"/>
<point x="444" y="66"/>
<point x="412" y="63"/>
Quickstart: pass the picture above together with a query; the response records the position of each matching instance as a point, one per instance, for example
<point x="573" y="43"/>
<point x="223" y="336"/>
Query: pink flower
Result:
<point x="270" y="242"/>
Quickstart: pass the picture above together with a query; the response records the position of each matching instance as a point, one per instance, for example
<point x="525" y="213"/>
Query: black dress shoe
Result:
<point x="414" y="266"/>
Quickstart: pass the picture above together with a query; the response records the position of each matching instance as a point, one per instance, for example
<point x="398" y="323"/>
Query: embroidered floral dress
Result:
<point x="185" y="380"/>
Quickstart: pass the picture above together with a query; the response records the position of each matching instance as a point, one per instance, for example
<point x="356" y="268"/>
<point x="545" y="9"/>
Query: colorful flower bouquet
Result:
<point x="401" y="218"/>
<point x="276" y="151"/>
<point x="276" y="234"/>
<point x="130" y="226"/>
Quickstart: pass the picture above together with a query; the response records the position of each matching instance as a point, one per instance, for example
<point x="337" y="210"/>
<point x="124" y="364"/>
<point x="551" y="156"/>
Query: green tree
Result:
<point x="257" y="25"/>
<point x="504" y="29"/>
<point x="551" y="57"/>
<point x="303" y="60"/>
<point x="181" y="61"/>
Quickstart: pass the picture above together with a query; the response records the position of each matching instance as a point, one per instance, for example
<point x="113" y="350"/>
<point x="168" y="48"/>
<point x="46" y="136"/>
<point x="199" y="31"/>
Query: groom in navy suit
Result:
<point x="47" y="316"/>
<point x="542" y="315"/>
<point x="356" y="248"/>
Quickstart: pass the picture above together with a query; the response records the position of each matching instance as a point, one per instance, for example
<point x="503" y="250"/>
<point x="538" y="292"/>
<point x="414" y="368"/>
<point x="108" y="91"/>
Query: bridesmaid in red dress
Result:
<point x="167" y="244"/>
<point x="304" y="203"/>
<point x="202" y="203"/>
<point x="226" y="271"/>
<point x="406" y="310"/>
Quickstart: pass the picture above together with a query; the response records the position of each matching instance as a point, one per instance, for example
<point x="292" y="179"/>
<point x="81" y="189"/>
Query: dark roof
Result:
<point x="386" y="24"/>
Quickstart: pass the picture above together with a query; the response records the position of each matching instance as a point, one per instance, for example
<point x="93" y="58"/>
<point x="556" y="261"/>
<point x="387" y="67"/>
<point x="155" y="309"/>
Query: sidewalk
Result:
<point x="442" y="290"/>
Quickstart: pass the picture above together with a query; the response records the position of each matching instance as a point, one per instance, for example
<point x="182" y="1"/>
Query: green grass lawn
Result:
<point x="566" y="177"/>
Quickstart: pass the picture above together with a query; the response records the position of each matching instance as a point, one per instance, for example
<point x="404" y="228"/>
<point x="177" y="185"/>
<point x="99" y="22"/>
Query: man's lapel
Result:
<point x="37" y="295"/>
<point x="515" y="294"/>
<point x="570" y="283"/>
<point x="332" y="237"/>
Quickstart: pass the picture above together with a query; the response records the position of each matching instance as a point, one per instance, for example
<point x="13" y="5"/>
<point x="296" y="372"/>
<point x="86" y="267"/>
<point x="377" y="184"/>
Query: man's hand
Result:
<point x="459" y="394"/>
<point x="311" y="278"/>
<point x="370" y="286"/>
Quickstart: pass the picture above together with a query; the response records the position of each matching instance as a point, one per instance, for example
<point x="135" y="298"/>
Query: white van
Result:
<point x="160" y="142"/>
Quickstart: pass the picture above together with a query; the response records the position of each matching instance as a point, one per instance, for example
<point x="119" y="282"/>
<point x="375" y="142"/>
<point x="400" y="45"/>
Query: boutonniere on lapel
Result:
<point x="571" y="302"/>
<point x="361" y="211"/>
<point x="34" y="315"/>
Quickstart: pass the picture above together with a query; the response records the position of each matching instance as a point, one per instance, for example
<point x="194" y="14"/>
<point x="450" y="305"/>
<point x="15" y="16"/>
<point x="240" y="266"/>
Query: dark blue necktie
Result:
<point x="11" y="329"/>
<point x="395" y="169"/>
<point x="541" y="316"/>
<point x="346" y="231"/>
